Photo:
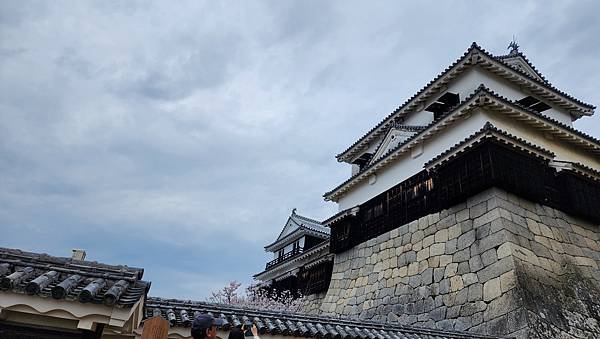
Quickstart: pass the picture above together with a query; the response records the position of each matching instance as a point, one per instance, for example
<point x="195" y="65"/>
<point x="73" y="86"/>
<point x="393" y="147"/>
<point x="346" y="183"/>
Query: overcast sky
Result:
<point x="178" y="136"/>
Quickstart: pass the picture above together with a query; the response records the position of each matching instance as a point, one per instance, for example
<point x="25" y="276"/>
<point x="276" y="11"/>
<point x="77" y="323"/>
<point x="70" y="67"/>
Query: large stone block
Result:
<point x="489" y="257"/>
<point x="448" y="221"/>
<point x="471" y="308"/>
<point x="496" y="269"/>
<point x="502" y="305"/>
<point x="486" y="218"/>
<point x="463" y="267"/>
<point x="491" y="289"/>
<point x="466" y="239"/>
<point x="463" y="255"/>
<point x="454" y="231"/>
<point x="437" y="249"/>
<point x="475" y="263"/>
<point x="428" y="241"/>
<point x="508" y="281"/>
<point x="451" y="246"/>
<point x="438" y="313"/>
<point x="475" y="292"/>
<point x="456" y="283"/>
<point x="478" y="210"/>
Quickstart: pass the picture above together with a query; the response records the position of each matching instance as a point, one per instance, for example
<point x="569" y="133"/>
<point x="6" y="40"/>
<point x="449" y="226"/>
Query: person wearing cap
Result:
<point x="205" y="326"/>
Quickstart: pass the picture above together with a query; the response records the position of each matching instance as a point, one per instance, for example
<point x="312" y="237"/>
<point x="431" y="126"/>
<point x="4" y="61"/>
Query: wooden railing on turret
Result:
<point x="285" y="257"/>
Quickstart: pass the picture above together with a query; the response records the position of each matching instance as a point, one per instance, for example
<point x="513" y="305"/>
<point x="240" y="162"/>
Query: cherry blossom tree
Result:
<point x="257" y="296"/>
<point x="227" y="295"/>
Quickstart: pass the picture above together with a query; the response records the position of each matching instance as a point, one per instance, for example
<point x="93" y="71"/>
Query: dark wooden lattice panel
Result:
<point x="490" y="164"/>
<point x="461" y="177"/>
<point x="315" y="279"/>
<point x="372" y="217"/>
<point x="552" y="189"/>
<point x="580" y="196"/>
<point x="517" y="172"/>
<point x="417" y="196"/>
<point x="343" y="235"/>
<point x="396" y="206"/>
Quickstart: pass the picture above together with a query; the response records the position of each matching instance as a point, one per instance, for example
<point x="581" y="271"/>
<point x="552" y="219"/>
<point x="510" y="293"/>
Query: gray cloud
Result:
<point x="158" y="135"/>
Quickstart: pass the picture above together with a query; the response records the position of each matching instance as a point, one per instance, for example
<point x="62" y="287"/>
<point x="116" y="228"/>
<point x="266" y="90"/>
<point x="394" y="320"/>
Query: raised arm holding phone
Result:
<point x="247" y="330"/>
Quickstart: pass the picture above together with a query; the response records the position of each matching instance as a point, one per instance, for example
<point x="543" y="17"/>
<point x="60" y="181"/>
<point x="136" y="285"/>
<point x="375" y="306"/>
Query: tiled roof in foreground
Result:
<point x="180" y="313"/>
<point x="69" y="279"/>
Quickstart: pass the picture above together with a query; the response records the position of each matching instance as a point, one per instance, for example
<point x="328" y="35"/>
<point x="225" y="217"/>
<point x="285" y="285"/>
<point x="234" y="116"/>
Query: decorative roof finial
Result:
<point x="294" y="210"/>
<point x="514" y="48"/>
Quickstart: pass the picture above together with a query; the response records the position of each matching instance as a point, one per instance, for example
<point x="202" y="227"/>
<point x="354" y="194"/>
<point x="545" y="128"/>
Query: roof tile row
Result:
<point x="180" y="313"/>
<point x="65" y="278"/>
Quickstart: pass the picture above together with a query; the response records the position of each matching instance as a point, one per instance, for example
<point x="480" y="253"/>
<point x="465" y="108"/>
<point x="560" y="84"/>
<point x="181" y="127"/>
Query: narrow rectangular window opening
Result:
<point x="533" y="103"/>
<point x="443" y="104"/>
<point x="363" y="160"/>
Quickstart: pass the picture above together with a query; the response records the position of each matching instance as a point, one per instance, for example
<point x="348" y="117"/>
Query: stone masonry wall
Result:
<point x="494" y="264"/>
<point x="311" y="304"/>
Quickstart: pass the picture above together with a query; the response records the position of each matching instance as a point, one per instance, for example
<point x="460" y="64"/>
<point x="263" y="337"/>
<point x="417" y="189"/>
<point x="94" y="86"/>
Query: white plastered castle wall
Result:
<point x="563" y="150"/>
<point x="468" y="82"/>
<point x="406" y="166"/>
<point x="422" y="118"/>
<point x="464" y="85"/>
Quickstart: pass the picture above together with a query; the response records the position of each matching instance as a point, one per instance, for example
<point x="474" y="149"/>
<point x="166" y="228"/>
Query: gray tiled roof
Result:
<point x="499" y="59"/>
<point x="65" y="278"/>
<point x="309" y="223"/>
<point x="301" y="223"/>
<point x="524" y="58"/>
<point x="181" y="313"/>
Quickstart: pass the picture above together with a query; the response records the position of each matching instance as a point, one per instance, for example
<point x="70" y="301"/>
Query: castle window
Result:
<point x="363" y="160"/>
<point x="534" y="104"/>
<point x="443" y="104"/>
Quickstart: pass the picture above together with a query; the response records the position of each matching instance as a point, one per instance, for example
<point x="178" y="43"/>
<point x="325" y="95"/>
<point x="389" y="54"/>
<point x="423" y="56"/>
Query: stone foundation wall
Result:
<point x="311" y="304"/>
<point x="494" y="264"/>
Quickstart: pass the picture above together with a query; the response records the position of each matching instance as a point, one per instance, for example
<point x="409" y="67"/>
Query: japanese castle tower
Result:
<point x="474" y="206"/>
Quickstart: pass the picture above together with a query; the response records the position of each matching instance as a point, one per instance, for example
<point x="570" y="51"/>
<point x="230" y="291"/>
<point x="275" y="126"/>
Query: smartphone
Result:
<point x="248" y="329"/>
